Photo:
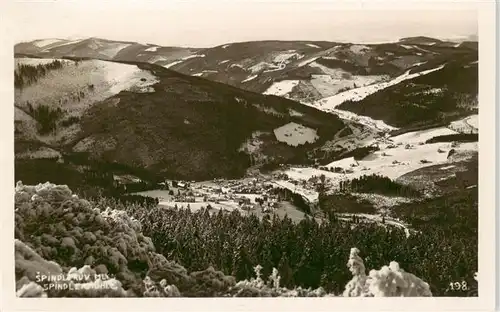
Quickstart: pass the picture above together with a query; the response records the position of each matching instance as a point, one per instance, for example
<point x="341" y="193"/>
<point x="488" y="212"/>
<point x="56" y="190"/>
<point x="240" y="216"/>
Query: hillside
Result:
<point x="436" y="98"/>
<point x="146" y="116"/>
<point x="360" y="83"/>
<point x="256" y="65"/>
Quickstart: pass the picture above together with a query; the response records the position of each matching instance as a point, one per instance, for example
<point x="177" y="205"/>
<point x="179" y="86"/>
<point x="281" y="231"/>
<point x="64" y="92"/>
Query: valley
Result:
<point x="318" y="135"/>
<point x="284" y="141"/>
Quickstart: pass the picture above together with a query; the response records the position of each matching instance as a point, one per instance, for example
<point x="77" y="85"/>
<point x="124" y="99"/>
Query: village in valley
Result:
<point x="257" y="194"/>
<point x="294" y="191"/>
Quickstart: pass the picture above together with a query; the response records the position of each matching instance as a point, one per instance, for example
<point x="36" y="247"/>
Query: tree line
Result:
<point x="379" y="184"/>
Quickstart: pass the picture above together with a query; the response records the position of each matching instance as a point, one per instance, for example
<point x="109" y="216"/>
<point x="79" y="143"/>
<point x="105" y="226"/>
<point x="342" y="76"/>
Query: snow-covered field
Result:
<point x="398" y="161"/>
<point x="468" y="124"/>
<point x="421" y="136"/>
<point x="378" y="125"/>
<point x="295" y="134"/>
<point x="345" y="163"/>
<point x="282" y="88"/>
<point x="389" y="162"/>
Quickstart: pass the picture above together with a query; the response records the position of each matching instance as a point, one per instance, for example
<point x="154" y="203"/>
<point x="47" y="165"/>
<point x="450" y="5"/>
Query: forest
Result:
<point x="312" y="254"/>
<point x="378" y="184"/>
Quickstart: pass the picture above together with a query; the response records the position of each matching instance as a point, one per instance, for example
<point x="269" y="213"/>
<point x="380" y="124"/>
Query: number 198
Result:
<point x="459" y="286"/>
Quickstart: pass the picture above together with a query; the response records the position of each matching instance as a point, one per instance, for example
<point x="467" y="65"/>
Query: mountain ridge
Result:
<point x="172" y="119"/>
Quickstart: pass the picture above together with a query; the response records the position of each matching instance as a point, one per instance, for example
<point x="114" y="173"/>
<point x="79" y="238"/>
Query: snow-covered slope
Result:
<point x="325" y="74"/>
<point x="358" y="94"/>
<point x="74" y="88"/>
<point x="282" y="88"/>
<point x="107" y="78"/>
<point x="467" y="125"/>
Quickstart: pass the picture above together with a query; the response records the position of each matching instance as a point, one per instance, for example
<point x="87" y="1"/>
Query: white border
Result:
<point x="487" y="190"/>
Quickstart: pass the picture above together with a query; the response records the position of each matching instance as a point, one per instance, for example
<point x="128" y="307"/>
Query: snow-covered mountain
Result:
<point x="320" y="74"/>
<point x="103" y="49"/>
<point x="144" y="115"/>
<point x="369" y="91"/>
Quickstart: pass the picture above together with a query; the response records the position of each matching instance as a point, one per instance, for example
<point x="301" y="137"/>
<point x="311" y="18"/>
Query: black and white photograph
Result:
<point x="249" y="149"/>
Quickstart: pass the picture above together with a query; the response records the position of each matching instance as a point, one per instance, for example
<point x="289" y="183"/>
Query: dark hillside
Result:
<point x="192" y="128"/>
<point x="436" y="98"/>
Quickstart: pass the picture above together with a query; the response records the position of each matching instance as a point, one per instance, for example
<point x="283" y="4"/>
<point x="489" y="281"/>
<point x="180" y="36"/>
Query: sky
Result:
<point x="214" y="22"/>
